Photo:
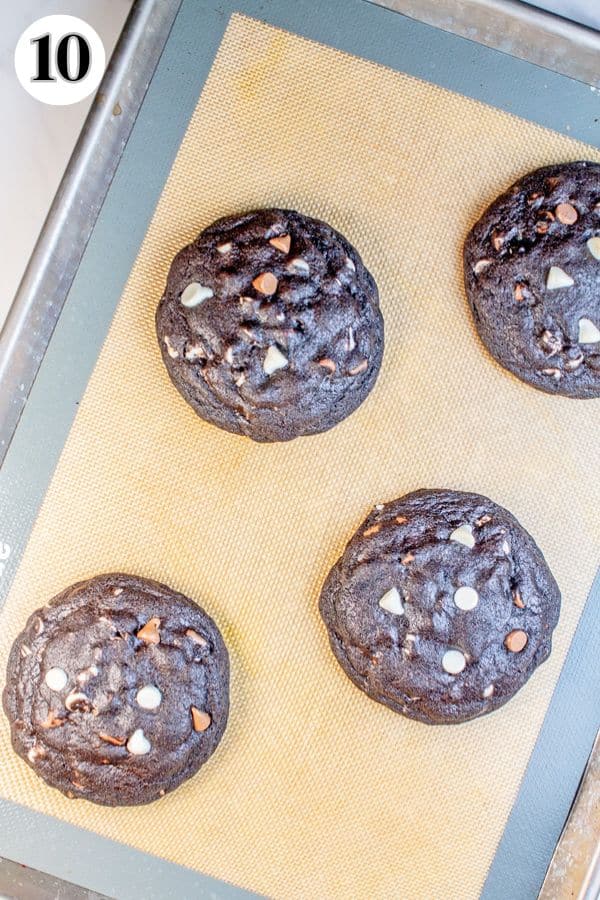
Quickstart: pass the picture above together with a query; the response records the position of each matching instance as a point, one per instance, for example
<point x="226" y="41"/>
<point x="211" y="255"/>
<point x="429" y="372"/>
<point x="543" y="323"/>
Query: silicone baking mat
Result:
<point x="316" y="790"/>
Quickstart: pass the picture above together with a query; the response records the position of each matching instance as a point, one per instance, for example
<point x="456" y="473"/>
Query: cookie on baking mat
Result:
<point x="441" y="606"/>
<point x="117" y="690"/>
<point x="532" y="275"/>
<point x="270" y="325"/>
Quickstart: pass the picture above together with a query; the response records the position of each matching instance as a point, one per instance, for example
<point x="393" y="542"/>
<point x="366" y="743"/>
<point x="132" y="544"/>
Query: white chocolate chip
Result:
<point x="466" y="598"/>
<point x="56" y="679"/>
<point x="274" y="360"/>
<point x="392" y="602"/>
<point x="350" y="264"/>
<point x="362" y="366"/>
<point x="551" y="342"/>
<point x="558" y="278"/>
<point x="350" y="342"/>
<point x="488" y="691"/>
<point x="224" y="248"/>
<point x="77" y="700"/>
<point x="195" y="294"/>
<point x="229" y="355"/>
<point x="506" y="547"/>
<point x="297" y="264"/>
<point x="148" y="697"/>
<point x="588" y="332"/>
<point x="35" y="753"/>
<point x="173" y="353"/>
<point x="86" y="674"/>
<point x="194" y="352"/>
<point x="463" y="535"/>
<point x="553" y="373"/>
<point x="593" y="246"/>
<point x="481" y="265"/>
<point x="574" y="363"/>
<point x="240" y="380"/>
<point x="453" y="662"/>
<point x="138" y="743"/>
<point x="195" y="637"/>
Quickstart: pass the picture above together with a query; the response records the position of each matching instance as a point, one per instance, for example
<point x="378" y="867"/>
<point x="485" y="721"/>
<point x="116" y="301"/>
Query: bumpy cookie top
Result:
<point x="117" y="691"/>
<point x="270" y="325"/>
<point x="532" y="273"/>
<point x="441" y="606"/>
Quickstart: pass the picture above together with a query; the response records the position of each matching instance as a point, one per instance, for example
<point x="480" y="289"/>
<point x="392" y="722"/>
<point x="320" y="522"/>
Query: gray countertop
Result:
<point x="587" y="12"/>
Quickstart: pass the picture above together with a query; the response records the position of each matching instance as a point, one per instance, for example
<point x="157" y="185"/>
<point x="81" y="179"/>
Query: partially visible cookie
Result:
<point x="270" y="325"/>
<point x="532" y="275"/>
<point x="117" y="690"/>
<point x="441" y="606"/>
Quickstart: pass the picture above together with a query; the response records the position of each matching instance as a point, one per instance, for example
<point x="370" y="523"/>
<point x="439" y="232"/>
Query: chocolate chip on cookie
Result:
<point x="122" y="693"/>
<point x="532" y="275"/>
<point x="441" y="606"/>
<point x="270" y="325"/>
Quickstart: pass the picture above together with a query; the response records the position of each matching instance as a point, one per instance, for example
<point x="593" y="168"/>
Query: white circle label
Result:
<point x="453" y="661"/>
<point x="56" y="679"/>
<point x="466" y="598"/>
<point x="148" y="697"/>
<point x="60" y="60"/>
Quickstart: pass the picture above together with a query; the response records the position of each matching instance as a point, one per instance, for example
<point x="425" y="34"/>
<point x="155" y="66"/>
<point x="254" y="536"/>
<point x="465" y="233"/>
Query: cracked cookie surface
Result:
<point x="532" y="276"/>
<point x="117" y="690"/>
<point x="441" y="606"/>
<point x="270" y="325"/>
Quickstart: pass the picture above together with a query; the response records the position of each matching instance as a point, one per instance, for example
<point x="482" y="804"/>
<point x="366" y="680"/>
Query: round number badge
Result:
<point x="60" y="60"/>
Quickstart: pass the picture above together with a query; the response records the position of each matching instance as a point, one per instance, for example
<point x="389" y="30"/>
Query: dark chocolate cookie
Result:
<point x="117" y="690"/>
<point x="532" y="274"/>
<point x="441" y="606"/>
<point x="270" y="325"/>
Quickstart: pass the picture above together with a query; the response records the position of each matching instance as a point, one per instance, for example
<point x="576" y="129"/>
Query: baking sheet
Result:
<point x="315" y="788"/>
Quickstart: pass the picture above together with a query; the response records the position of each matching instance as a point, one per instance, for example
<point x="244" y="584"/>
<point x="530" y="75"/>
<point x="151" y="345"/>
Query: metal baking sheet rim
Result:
<point x="403" y="44"/>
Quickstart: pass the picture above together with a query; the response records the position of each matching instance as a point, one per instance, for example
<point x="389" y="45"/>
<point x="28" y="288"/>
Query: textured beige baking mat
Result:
<point x="316" y="790"/>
